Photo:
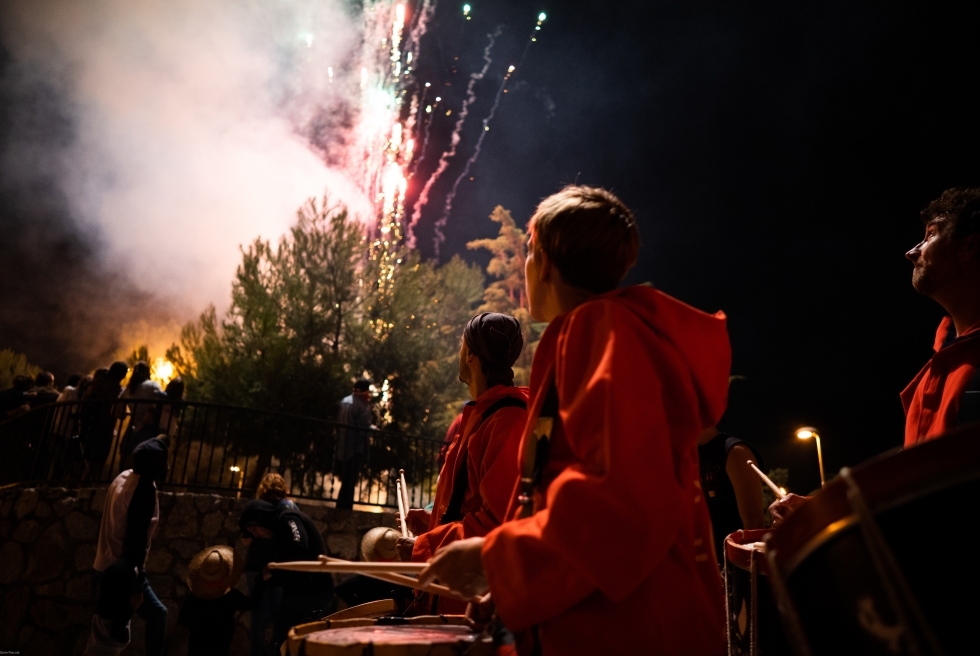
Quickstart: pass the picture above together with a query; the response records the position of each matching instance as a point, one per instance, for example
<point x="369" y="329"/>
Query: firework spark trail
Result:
<point x="423" y="198"/>
<point x="451" y="196"/>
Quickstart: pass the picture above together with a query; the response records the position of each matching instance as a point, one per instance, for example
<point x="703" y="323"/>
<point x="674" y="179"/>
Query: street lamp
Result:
<point x="806" y="433"/>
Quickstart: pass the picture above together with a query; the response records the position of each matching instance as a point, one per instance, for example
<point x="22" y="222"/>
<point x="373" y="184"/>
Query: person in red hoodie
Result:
<point x="946" y="268"/>
<point x="609" y="547"/>
<point x="481" y="467"/>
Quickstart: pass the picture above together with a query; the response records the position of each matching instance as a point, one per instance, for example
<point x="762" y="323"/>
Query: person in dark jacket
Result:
<point x="284" y="534"/>
<point x="353" y="442"/>
<point x="98" y="420"/>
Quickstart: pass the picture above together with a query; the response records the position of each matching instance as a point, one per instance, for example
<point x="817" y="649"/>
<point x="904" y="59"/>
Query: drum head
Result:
<point x="417" y="636"/>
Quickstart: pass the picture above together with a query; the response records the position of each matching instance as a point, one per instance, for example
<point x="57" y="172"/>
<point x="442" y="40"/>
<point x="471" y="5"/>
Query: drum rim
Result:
<point x="793" y="542"/>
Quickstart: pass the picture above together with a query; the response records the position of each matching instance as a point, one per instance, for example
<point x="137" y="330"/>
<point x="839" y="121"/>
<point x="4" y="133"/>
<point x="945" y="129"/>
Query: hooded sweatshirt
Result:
<point x="617" y="557"/>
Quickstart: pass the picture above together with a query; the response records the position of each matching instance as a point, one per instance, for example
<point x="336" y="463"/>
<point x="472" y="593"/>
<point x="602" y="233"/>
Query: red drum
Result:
<point x="427" y="635"/>
<point x="754" y="626"/>
<point x="881" y="561"/>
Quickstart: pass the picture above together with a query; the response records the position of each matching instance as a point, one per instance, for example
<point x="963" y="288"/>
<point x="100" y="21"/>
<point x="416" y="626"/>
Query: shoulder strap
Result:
<point x="537" y="449"/>
<point x="461" y="483"/>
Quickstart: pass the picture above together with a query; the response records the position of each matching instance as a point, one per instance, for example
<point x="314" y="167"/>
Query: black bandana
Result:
<point x="497" y="340"/>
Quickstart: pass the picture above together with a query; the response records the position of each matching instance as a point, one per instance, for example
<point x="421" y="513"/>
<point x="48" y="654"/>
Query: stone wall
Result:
<point x="47" y="546"/>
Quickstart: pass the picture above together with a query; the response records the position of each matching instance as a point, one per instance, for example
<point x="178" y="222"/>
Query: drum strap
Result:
<point x="970" y="401"/>
<point x="454" y="512"/>
<point x="537" y="448"/>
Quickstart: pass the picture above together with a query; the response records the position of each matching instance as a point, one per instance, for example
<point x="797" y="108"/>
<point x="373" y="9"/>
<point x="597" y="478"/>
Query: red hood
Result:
<point x="700" y="337"/>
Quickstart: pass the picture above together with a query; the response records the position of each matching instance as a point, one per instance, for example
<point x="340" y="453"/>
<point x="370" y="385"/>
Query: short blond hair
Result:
<point x="272" y="488"/>
<point x="589" y="234"/>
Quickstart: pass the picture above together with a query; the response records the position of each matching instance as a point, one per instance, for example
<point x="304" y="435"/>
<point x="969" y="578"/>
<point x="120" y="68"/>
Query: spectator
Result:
<point x="352" y="441"/>
<point x="209" y="610"/>
<point x="98" y="420"/>
<point x="169" y="412"/>
<point x="272" y="488"/>
<point x="13" y="400"/>
<point x="44" y="391"/>
<point x="143" y="420"/>
<point x="70" y="392"/>
<point x="283" y="535"/>
<point x="129" y="519"/>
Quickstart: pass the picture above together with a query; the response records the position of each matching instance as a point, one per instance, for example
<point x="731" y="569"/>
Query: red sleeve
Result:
<point x="492" y="462"/>
<point x="621" y="498"/>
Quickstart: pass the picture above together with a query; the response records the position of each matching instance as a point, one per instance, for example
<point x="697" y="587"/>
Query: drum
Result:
<point x="754" y="627"/>
<point x="426" y="635"/>
<point x="880" y="561"/>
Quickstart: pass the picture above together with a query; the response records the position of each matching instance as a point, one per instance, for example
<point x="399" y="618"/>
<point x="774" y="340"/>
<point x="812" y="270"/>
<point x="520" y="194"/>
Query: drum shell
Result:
<point x="306" y="640"/>
<point x="897" y="581"/>
<point x="754" y="626"/>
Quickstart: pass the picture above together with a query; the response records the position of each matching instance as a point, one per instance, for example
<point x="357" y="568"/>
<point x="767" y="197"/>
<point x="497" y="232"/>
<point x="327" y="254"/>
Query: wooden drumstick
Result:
<point x="349" y="567"/>
<point x="407" y="581"/>
<point x="401" y="476"/>
<point x="401" y="509"/>
<point x="768" y="481"/>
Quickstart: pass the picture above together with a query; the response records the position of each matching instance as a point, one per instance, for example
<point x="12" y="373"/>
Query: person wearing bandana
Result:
<point x="480" y="471"/>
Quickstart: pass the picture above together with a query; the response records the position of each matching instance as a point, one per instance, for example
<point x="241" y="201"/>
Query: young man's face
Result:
<point x="934" y="259"/>
<point x="532" y="273"/>
<point x="464" y="369"/>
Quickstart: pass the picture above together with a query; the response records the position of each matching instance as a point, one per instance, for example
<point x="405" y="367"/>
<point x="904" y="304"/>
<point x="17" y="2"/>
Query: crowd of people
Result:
<point x="583" y="514"/>
<point x="111" y="394"/>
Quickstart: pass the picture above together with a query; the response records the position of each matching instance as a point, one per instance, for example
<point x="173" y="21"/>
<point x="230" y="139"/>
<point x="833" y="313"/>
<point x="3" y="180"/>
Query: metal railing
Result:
<point x="213" y="448"/>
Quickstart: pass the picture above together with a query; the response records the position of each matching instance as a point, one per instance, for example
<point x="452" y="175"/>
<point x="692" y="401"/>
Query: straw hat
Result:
<point x="209" y="574"/>
<point x="378" y="544"/>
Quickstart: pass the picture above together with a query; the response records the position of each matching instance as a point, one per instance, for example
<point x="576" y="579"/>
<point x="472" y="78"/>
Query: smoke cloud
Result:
<point x="154" y="138"/>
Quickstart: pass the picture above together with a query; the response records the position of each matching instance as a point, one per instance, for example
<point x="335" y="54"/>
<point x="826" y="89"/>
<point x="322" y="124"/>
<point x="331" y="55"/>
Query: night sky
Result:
<point x="776" y="156"/>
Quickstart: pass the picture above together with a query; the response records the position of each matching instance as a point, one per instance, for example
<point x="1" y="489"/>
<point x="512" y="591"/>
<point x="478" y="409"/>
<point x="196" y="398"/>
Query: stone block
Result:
<point x="159" y="560"/>
<point x="11" y="563"/>
<point x="6" y="526"/>
<point x="85" y="494"/>
<point x="342" y="545"/>
<point x="43" y="509"/>
<point x="27" y="532"/>
<point x="64" y="506"/>
<point x="180" y="570"/>
<point x="50" y="556"/>
<point x="321" y="526"/>
<point x="182" y="520"/>
<point x="98" y="500"/>
<point x="81" y="527"/>
<point x="85" y="557"/>
<point x="231" y="521"/>
<point x="55" y="589"/>
<point x="186" y="548"/>
<point x="26" y="503"/>
<point x="212" y="524"/>
<point x="6" y="508"/>
<point x="53" y="493"/>
<point x="207" y="503"/>
<point x="13" y="613"/>
<point x="81" y="588"/>
<point x="80" y="614"/>
<point x="49" y="615"/>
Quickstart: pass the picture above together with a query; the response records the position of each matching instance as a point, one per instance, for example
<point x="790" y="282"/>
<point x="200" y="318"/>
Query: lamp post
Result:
<point x="806" y="433"/>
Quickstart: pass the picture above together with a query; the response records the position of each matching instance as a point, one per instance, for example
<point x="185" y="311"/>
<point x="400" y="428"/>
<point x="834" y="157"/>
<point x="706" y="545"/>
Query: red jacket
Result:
<point x="490" y="449"/>
<point x="618" y="556"/>
<point x="932" y="399"/>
